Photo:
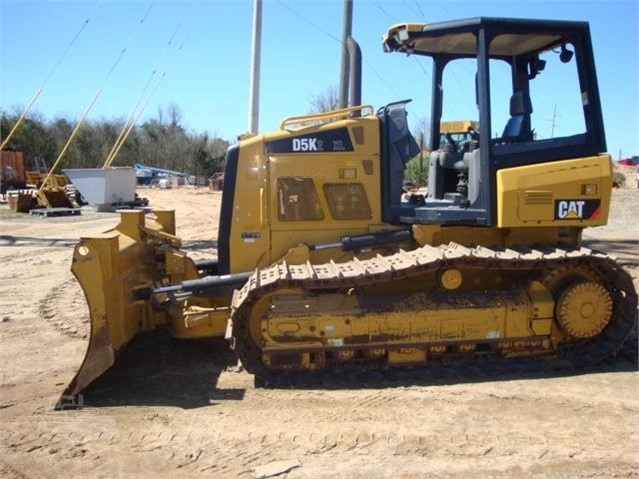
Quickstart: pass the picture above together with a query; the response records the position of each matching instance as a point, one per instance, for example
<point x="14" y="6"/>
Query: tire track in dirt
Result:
<point x="64" y="307"/>
<point x="235" y="453"/>
<point x="7" y="471"/>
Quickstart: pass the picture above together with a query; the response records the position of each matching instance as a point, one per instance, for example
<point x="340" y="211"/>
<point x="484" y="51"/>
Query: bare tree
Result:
<point x="421" y="132"/>
<point x="327" y="101"/>
<point x="175" y="115"/>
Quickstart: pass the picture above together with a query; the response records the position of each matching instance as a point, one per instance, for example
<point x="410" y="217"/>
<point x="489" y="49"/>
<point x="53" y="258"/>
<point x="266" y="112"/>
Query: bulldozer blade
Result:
<point x="110" y="269"/>
<point x="53" y="197"/>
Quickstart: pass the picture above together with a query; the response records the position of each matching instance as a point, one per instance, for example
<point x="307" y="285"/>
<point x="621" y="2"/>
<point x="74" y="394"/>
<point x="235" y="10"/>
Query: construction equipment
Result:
<point x="13" y="181"/>
<point x="12" y="175"/>
<point x="146" y="174"/>
<point x="25" y="190"/>
<point x="458" y="131"/>
<point x="323" y="269"/>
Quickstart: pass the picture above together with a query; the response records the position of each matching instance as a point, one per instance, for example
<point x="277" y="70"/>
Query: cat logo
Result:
<point x="577" y="209"/>
<point x="570" y="210"/>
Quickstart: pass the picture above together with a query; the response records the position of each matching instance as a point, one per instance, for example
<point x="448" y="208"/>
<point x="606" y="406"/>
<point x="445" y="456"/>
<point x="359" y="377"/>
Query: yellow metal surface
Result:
<point x="194" y="321"/>
<point x="450" y="279"/>
<point x="249" y="239"/>
<point x="293" y="320"/>
<point x="55" y="181"/>
<point x="544" y="308"/>
<point x="408" y="27"/>
<point x="407" y="356"/>
<point x="273" y="214"/>
<point x="584" y="309"/>
<point x="114" y="268"/>
<point x="562" y="193"/>
<point x="515" y="236"/>
<point x="53" y="197"/>
<point x="332" y="115"/>
<point x="100" y="265"/>
<point x="458" y="126"/>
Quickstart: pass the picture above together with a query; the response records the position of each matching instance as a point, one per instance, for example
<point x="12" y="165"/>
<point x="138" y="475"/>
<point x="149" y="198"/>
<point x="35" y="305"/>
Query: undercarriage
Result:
<point x="431" y="310"/>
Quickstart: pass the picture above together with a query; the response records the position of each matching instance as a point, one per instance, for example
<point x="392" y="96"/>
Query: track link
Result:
<point x="538" y="261"/>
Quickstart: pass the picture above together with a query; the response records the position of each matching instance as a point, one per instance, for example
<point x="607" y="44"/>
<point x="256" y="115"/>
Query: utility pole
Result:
<point x="421" y="158"/>
<point x="344" y="70"/>
<point x="254" y="89"/>
<point x="554" y="116"/>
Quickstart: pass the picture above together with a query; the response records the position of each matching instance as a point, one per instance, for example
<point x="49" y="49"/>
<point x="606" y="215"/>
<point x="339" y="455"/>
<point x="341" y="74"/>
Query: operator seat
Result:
<point x="518" y="126"/>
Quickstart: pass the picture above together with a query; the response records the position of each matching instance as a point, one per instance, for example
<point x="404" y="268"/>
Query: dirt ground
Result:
<point x="178" y="409"/>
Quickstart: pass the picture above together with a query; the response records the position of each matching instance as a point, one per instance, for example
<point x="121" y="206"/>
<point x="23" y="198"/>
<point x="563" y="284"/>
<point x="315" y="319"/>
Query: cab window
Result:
<point x="298" y="200"/>
<point x="347" y="201"/>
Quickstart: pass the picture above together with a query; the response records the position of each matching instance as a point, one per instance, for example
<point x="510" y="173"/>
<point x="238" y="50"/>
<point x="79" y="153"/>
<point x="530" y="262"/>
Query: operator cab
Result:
<point x="530" y="83"/>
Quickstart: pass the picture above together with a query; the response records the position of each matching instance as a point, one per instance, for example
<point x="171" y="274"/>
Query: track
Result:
<point x="537" y="262"/>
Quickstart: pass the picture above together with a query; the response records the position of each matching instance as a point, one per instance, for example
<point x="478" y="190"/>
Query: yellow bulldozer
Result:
<point x="325" y="270"/>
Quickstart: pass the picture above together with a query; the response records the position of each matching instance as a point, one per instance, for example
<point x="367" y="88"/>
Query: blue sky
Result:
<point x="208" y="77"/>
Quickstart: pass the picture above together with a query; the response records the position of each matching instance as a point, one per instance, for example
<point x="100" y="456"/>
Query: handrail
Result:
<point x="327" y="115"/>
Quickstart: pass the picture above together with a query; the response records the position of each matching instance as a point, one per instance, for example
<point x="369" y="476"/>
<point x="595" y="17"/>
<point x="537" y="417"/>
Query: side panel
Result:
<point x="244" y="233"/>
<point x="310" y="185"/>
<point x="324" y="182"/>
<point x="562" y="193"/>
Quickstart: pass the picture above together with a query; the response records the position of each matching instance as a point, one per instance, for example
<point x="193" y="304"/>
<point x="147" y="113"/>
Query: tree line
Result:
<point x="162" y="142"/>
